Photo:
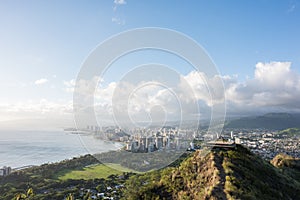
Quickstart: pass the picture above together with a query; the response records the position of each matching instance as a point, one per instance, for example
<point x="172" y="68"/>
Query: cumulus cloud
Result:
<point x="138" y="101"/>
<point x="41" y="81"/>
<point x="69" y="85"/>
<point x="274" y="86"/>
<point x="35" y="109"/>
<point x="83" y="86"/>
<point x="207" y="89"/>
<point x="36" y="115"/>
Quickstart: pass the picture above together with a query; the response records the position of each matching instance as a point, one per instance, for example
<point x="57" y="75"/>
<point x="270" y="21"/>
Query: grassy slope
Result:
<point x="250" y="177"/>
<point x="234" y="174"/>
<point x="93" y="171"/>
<point x="287" y="165"/>
<point x="290" y="132"/>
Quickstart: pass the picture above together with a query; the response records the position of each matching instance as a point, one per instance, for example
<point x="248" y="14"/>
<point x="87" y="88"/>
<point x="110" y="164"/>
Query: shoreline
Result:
<point x="21" y="149"/>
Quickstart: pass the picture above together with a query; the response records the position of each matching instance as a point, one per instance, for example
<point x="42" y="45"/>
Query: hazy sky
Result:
<point x="255" y="45"/>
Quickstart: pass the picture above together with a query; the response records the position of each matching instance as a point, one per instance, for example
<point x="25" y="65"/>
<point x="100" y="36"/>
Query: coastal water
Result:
<point x="21" y="148"/>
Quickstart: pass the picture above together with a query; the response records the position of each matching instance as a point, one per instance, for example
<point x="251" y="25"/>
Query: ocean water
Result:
<point x="21" y="148"/>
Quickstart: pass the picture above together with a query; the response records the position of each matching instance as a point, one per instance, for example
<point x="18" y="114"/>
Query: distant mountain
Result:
<point x="277" y="121"/>
<point x="233" y="174"/>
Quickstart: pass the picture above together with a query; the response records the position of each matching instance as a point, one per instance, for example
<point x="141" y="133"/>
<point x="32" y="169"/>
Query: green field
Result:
<point x="93" y="171"/>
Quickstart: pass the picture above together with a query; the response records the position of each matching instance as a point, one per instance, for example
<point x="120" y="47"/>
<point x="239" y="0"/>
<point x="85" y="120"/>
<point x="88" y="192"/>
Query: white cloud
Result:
<point x="69" y="85"/>
<point x="41" y="81"/>
<point x="118" y="20"/>
<point x="120" y="2"/>
<point x="104" y="94"/>
<point x="35" y="109"/>
<point x="83" y="87"/>
<point x="274" y="86"/>
<point x="36" y="115"/>
<point x="210" y="90"/>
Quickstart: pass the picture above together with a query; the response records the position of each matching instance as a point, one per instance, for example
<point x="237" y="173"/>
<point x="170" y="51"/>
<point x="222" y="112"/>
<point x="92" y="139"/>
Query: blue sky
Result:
<point x="50" y="39"/>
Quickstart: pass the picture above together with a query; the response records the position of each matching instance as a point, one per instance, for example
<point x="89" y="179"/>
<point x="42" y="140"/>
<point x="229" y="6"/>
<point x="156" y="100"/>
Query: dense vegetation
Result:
<point x="44" y="182"/>
<point x="219" y="174"/>
<point x="141" y="162"/>
<point x="287" y="165"/>
<point x="233" y="174"/>
<point x="290" y="132"/>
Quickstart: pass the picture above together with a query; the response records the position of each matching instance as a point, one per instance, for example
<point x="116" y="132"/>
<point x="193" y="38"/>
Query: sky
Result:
<point x="43" y="45"/>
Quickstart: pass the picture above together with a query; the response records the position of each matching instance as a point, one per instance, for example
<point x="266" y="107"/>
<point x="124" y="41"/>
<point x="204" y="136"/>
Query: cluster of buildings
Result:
<point x="158" y="139"/>
<point x="110" y="192"/>
<point x="268" y="143"/>
<point x="4" y="171"/>
<point x="143" y="140"/>
<point x="153" y="143"/>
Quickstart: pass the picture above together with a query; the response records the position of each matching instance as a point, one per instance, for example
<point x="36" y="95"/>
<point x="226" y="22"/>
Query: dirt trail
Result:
<point x="218" y="190"/>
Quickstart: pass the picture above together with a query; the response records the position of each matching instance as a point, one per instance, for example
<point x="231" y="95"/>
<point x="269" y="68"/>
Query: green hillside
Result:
<point x="219" y="174"/>
<point x="234" y="174"/>
<point x="287" y="165"/>
<point x="290" y="132"/>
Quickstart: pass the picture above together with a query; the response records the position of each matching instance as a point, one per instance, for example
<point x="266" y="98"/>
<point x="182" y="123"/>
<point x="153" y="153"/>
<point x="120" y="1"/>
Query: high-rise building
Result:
<point x="151" y="147"/>
<point x="5" y="171"/>
<point x="166" y="142"/>
<point x="159" y="142"/>
<point x="148" y="141"/>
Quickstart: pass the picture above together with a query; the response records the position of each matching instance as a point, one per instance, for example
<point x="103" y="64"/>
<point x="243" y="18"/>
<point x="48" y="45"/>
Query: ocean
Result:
<point x="22" y="148"/>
